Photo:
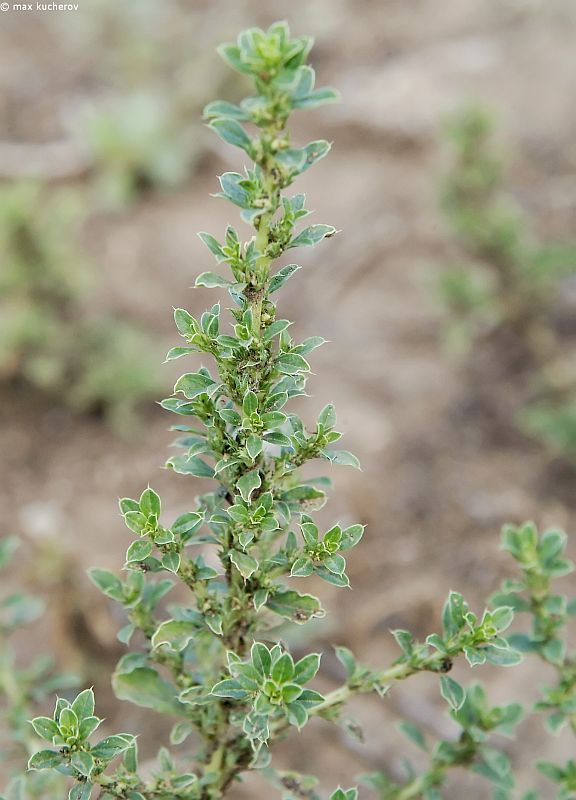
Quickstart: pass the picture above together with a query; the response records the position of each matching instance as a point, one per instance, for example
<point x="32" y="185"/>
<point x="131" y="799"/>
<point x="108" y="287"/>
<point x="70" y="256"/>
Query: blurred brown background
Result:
<point x="437" y="481"/>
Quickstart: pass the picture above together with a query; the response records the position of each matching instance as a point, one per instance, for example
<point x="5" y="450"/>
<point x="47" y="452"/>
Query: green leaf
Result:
<point x="452" y="692"/>
<point x="502" y="618"/>
<point x="279" y="279"/>
<point x="187" y="523"/>
<point x="88" y="726"/>
<point x="347" y="659"/>
<point x="283" y="669"/>
<point x="194" y="383"/>
<point x="144" y="687"/>
<point x="112" y="746"/>
<point x="68" y="721"/>
<point x="295" y="607"/>
<point x="317" y="98"/>
<point x="261" y="659"/>
<point x="221" y="108"/>
<point x="312" y="235"/>
<point x="83" y="763"/>
<point x="185" y="322"/>
<point x="81" y="791"/>
<point x="502" y="657"/>
<point x="83" y="705"/>
<point x="254" y="446"/>
<point x="233" y="133"/>
<point x="171" y="561"/>
<point x="302" y="568"/>
<point x="45" y="727"/>
<point x="344" y="794"/>
<point x="138" y="551"/>
<point x="135" y="521"/>
<point x="175" y="634"/>
<point x="341" y="457"/>
<point x="195" y="466"/>
<point x="180" y="732"/>
<point x="297" y="714"/>
<point x="351" y="536"/>
<point x="291" y="364"/>
<point x="250" y="403"/>
<point x="150" y="503"/>
<point x="306" y="668"/>
<point x="277" y="438"/>
<point x="213" y="245"/>
<point x="245" y="564"/>
<point x="554" y="651"/>
<point x="211" y="280"/>
<point x="107" y="582"/>
<point x="232" y="189"/>
<point x="335" y="563"/>
<point x="414" y="734"/>
<point x="341" y="581"/>
<point x="229" y="688"/>
<point x="248" y="483"/>
<point x="45" y="759"/>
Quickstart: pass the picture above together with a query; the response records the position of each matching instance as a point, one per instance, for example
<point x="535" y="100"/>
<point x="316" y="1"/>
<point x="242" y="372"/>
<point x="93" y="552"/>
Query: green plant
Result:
<point x="46" y="338"/>
<point x="216" y="663"/>
<point x="137" y="142"/>
<point x="22" y="692"/>
<point x="502" y="299"/>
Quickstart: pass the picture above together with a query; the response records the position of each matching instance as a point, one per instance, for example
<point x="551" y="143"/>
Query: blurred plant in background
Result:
<point x="47" y="340"/>
<point x="142" y="131"/>
<point x="135" y="144"/>
<point x="22" y="691"/>
<point x="503" y="299"/>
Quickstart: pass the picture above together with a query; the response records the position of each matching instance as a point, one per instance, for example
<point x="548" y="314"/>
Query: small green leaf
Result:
<point x="83" y="763"/>
<point x="83" y="705"/>
<point x="248" y="483"/>
<point x="171" y="561"/>
<point x="250" y="403"/>
<point x="261" y="659"/>
<point x="254" y="446"/>
<point x="211" y="280"/>
<point x="341" y="457"/>
<point x="414" y="734"/>
<point x="279" y="279"/>
<point x="283" y="669"/>
<point x="306" y="668"/>
<point x="187" y="523"/>
<point x="193" y="383"/>
<point x="212" y="244"/>
<point x="312" y="235"/>
<point x="135" y="521"/>
<point x="144" y="687"/>
<point x="291" y="364"/>
<point x="45" y="727"/>
<point x="45" y="759"/>
<point x="138" y="551"/>
<point x="229" y="688"/>
<point x="150" y="503"/>
<point x="112" y="746"/>
<point x="347" y="659"/>
<point x="233" y="133"/>
<point x="452" y="692"/>
<point x="107" y="582"/>
<point x="245" y="564"/>
<point x="302" y="568"/>
<point x="175" y="634"/>
<point x="296" y="607"/>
